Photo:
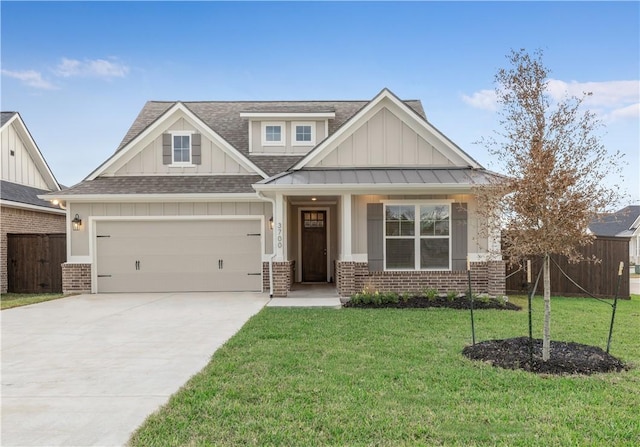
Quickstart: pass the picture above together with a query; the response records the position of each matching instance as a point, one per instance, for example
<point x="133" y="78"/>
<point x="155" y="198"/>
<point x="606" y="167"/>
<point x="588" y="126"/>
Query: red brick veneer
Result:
<point x="486" y="277"/>
<point x="76" y="278"/>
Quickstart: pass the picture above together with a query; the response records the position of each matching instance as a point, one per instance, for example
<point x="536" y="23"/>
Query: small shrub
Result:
<point x="430" y="294"/>
<point x="406" y="296"/>
<point x="451" y="296"/>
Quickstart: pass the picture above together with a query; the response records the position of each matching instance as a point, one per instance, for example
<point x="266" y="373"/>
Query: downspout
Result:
<point x="273" y="244"/>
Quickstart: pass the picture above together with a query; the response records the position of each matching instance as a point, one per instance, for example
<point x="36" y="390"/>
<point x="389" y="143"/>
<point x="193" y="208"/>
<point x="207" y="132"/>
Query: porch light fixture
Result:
<point x="271" y="223"/>
<point x="313" y="199"/>
<point x="77" y="222"/>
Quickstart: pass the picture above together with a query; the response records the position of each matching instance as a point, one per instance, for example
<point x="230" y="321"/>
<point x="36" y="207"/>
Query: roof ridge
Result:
<point x="267" y="101"/>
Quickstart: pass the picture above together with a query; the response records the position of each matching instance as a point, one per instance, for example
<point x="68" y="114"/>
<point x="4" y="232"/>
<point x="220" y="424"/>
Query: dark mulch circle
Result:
<point x="420" y="302"/>
<point x="566" y="357"/>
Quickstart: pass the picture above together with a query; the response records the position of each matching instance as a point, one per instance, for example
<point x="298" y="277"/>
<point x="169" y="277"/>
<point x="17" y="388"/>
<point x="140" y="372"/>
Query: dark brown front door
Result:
<point x="314" y="246"/>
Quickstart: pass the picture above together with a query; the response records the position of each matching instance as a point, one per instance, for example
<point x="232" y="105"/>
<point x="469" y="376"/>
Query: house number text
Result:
<point x="279" y="235"/>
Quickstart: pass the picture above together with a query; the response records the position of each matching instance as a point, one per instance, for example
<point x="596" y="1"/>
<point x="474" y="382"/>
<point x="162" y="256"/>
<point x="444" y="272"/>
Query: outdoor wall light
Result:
<point x="77" y="223"/>
<point x="271" y="223"/>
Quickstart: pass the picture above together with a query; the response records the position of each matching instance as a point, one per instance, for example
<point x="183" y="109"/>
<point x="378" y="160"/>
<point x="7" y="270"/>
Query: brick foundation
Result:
<point x="486" y="277"/>
<point x="21" y="221"/>
<point x="283" y="277"/>
<point x="76" y="278"/>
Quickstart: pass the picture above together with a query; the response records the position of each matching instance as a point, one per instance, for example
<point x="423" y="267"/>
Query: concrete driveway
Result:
<point x="634" y="286"/>
<point x="88" y="370"/>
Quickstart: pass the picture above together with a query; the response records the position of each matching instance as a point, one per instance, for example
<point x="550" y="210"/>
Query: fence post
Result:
<point x="473" y="329"/>
<point x="615" y="304"/>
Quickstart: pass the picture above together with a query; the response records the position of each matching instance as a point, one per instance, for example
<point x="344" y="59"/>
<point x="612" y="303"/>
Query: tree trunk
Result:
<point x="546" y="337"/>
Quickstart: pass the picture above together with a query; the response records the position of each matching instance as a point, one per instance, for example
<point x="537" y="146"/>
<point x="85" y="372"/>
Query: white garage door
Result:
<point x="179" y="256"/>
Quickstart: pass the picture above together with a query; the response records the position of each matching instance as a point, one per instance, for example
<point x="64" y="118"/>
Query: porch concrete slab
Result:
<point x="333" y="302"/>
<point x="88" y="370"/>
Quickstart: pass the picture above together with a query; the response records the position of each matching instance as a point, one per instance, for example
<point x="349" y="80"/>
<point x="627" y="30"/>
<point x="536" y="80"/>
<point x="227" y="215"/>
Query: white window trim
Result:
<point x="417" y="237"/>
<point x="294" y="141"/>
<point x="283" y="130"/>
<point x="182" y="133"/>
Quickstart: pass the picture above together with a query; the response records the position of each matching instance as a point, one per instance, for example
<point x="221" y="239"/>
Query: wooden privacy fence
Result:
<point x="34" y="262"/>
<point x="599" y="279"/>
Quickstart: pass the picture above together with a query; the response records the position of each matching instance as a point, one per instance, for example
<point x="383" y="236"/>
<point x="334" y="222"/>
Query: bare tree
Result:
<point x="554" y="162"/>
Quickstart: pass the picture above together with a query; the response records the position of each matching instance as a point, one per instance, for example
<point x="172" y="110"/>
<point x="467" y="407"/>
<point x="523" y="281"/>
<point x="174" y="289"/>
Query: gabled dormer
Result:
<point x="287" y="131"/>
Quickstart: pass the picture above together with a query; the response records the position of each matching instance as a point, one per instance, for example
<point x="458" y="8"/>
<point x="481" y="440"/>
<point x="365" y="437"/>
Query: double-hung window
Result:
<point x="273" y="134"/>
<point x="417" y="236"/>
<point x="303" y="133"/>
<point x="181" y="148"/>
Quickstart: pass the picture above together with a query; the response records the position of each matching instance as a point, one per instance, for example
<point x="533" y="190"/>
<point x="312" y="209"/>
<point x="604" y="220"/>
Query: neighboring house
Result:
<point x="25" y="175"/>
<point x="254" y="196"/>
<point x="623" y="223"/>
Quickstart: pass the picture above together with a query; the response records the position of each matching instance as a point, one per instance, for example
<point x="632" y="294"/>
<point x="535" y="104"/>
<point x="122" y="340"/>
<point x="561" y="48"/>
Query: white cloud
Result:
<point x="629" y="112"/>
<point x="100" y="68"/>
<point x="31" y="78"/>
<point x="612" y="100"/>
<point x="604" y="94"/>
<point x="484" y="99"/>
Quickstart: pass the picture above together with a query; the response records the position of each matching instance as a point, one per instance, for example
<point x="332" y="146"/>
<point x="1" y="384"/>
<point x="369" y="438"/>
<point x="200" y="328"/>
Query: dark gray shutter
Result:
<point x="167" y="157"/>
<point x="459" y="236"/>
<point x="196" y="149"/>
<point x="375" y="239"/>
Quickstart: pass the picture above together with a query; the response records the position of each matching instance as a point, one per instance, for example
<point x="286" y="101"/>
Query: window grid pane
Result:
<point x="273" y="133"/>
<point x="181" y="148"/>
<point x="434" y="253"/>
<point x="400" y="254"/>
<point x="303" y="133"/>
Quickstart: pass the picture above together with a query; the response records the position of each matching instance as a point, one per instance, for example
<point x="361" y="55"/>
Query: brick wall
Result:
<point x="76" y="278"/>
<point x="20" y="221"/>
<point x="283" y="277"/>
<point x="486" y="277"/>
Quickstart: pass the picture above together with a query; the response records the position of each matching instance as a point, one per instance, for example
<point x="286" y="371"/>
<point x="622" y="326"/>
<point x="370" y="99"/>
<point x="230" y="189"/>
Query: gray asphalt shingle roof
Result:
<point x="616" y="224"/>
<point x="13" y="192"/>
<point x="168" y="184"/>
<point x="223" y="117"/>
<point x="5" y="117"/>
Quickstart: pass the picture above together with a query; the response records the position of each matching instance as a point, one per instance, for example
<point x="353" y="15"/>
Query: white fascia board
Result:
<point x="291" y="115"/>
<point x="210" y="133"/>
<point x="366" y="110"/>
<point x="34" y="150"/>
<point x="30" y="207"/>
<point x="191" y="197"/>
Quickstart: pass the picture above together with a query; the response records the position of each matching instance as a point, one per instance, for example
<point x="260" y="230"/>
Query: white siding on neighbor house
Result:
<point x="384" y="140"/>
<point x="288" y="148"/>
<point x="148" y="161"/>
<point x="79" y="240"/>
<point x="20" y="167"/>
<point x="359" y="219"/>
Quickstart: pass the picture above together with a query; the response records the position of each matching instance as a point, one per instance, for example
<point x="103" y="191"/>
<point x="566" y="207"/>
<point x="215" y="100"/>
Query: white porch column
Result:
<point x="345" y="234"/>
<point x="279" y="228"/>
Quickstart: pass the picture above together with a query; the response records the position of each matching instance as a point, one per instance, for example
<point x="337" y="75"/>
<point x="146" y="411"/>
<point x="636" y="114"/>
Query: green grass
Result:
<point x="387" y="377"/>
<point x="9" y="300"/>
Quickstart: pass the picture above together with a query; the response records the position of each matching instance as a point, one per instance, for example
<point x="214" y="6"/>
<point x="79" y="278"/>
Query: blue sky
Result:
<point x="79" y="72"/>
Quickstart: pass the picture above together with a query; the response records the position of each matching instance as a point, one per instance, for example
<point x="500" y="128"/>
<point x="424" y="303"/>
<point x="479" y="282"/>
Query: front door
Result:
<point x="314" y="246"/>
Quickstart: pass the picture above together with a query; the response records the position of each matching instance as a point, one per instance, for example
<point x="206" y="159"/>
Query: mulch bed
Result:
<point x="566" y="357"/>
<point x="421" y="302"/>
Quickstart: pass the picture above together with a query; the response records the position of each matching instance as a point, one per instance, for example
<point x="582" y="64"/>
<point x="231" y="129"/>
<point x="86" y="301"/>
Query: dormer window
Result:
<point x="273" y="133"/>
<point x="303" y="134"/>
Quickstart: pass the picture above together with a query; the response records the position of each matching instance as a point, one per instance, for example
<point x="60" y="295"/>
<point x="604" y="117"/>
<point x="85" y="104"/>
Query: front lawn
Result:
<point x="389" y="377"/>
<point x="9" y="300"/>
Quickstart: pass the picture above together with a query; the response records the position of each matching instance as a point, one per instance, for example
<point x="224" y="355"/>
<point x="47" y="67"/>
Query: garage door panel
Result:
<point x="162" y="256"/>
